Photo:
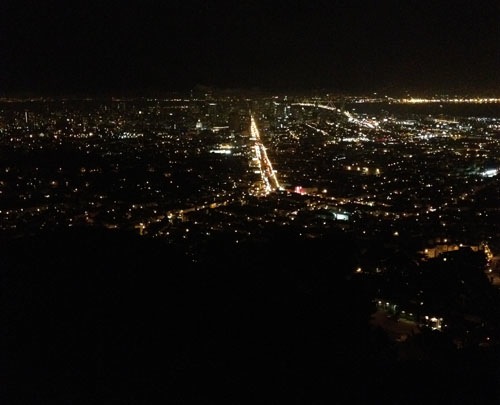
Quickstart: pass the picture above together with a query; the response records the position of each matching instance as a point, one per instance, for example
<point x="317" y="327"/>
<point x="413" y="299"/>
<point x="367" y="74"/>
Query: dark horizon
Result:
<point x="197" y="92"/>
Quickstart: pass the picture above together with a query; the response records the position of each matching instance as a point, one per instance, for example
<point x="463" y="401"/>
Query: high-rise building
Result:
<point x="234" y="121"/>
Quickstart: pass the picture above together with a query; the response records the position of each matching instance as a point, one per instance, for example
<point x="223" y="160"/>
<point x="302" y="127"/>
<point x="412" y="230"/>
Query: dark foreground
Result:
<point x="99" y="317"/>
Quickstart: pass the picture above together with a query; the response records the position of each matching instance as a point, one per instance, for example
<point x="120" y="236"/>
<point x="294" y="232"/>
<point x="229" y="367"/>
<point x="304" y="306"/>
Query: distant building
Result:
<point x="234" y="121"/>
<point x="439" y="249"/>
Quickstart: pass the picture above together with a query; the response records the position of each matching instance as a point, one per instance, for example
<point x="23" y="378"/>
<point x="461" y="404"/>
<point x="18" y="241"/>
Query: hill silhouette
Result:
<point x="97" y="316"/>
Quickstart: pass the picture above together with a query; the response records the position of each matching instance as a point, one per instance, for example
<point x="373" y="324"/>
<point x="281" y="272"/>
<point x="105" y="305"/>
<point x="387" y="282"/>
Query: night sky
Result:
<point x="125" y="47"/>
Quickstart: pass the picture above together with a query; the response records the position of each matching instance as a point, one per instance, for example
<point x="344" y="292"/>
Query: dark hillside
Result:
<point x="91" y="317"/>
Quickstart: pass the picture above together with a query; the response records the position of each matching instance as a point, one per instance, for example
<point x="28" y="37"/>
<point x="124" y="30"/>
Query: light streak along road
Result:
<point x="267" y="172"/>
<point x="350" y="117"/>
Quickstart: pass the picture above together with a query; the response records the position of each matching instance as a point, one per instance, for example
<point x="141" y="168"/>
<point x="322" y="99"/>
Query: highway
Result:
<point x="268" y="174"/>
<point x="350" y="117"/>
<point x="269" y="184"/>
